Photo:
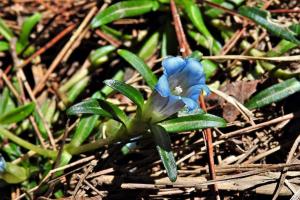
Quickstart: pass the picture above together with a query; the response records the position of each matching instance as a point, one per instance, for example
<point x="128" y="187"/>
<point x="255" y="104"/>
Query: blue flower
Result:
<point x="2" y="164"/>
<point x="179" y="86"/>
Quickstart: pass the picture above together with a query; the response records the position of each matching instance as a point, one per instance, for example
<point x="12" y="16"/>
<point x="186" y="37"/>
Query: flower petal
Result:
<point x="162" y="86"/>
<point x="175" y="104"/>
<point x="173" y="65"/>
<point x="190" y="103"/>
<point x="193" y="72"/>
<point x="194" y="91"/>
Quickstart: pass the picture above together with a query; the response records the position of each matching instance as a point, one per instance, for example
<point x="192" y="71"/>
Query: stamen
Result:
<point x="178" y="90"/>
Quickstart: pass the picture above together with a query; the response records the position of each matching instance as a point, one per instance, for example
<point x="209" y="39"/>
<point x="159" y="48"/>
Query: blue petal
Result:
<point x="190" y="103"/>
<point x="162" y="86"/>
<point x="193" y="72"/>
<point x="174" y="104"/>
<point x="158" y="101"/>
<point x="194" y="91"/>
<point x="172" y="65"/>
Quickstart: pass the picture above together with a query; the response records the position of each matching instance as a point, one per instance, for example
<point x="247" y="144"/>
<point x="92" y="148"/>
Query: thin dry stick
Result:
<point x="285" y="170"/>
<point x="108" y="38"/>
<point x="93" y="188"/>
<point x="51" y="43"/>
<point x="83" y="160"/>
<point x="258" y="126"/>
<point x="262" y="155"/>
<point x="263" y="35"/>
<point x="63" y="52"/>
<point x="242" y="57"/>
<point x="75" y="44"/>
<point x="210" y="150"/>
<point x="232" y="41"/>
<point x="38" y="109"/>
<point x="83" y="176"/>
<point x="235" y="38"/>
<point x="184" y="46"/>
<point x="243" y="110"/>
<point x="185" y="49"/>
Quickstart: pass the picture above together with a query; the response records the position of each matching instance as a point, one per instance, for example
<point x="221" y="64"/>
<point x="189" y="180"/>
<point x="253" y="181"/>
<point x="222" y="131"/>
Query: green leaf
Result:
<point x="98" y="56"/>
<point x="90" y="106"/>
<point x="27" y="26"/>
<point x="163" y="145"/>
<point x="6" y="102"/>
<point x="5" y="31"/>
<point x="83" y="130"/>
<point x="4" y="46"/>
<point x="195" y="15"/>
<point x="84" y="127"/>
<point x="295" y="28"/>
<point x="274" y="93"/>
<point x="133" y="94"/>
<point x="14" y="174"/>
<point x="114" y="110"/>
<point x="193" y="122"/>
<point x="264" y="19"/>
<point x="17" y="114"/>
<point x="150" y="47"/>
<point x="140" y="66"/>
<point x="122" y="10"/>
<point x="106" y="90"/>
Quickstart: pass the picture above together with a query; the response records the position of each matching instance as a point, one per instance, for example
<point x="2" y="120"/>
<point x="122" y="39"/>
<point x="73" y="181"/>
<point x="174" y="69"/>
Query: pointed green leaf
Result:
<point x="4" y="46"/>
<point x="150" y="47"/>
<point x="83" y="130"/>
<point x="194" y="14"/>
<point x="6" y="102"/>
<point x="114" y="110"/>
<point x="17" y="114"/>
<point x="193" y="122"/>
<point x="85" y="127"/>
<point x="99" y="55"/>
<point x="90" y="106"/>
<point x="127" y="90"/>
<point x="5" y="31"/>
<point x="163" y="145"/>
<point x="122" y="10"/>
<point x="106" y="90"/>
<point x="140" y="66"/>
<point x="264" y="19"/>
<point x="14" y="174"/>
<point x="27" y="26"/>
<point x="274" y="93"/>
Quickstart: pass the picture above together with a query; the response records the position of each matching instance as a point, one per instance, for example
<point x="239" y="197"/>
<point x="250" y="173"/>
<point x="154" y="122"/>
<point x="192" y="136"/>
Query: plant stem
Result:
<point x="27" y="145"/>
<point x="90" y="146"/>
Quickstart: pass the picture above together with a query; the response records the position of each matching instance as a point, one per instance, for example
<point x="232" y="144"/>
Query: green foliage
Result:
<point x="27" y="26"/>
<point x="192" y="122"/>
<point x="17" y="114"/>
<point x="264" y="19"/>
<point x="14" y="174"/>
<point x="140" y="66"/>
<point x="122" y="10"/>
<point x="98" y="56"/>
<point x="163" y="146"/>
<point x="90" y="106"/>
<point x="133" y="94"/>
<point x="274" y="93"/>
<point x="5" y="31"/>
<point x="4" y="46"/>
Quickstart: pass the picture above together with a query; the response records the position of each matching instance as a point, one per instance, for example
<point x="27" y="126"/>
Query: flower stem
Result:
<point x="27" y="145"/>
<point x="90" y="146"/>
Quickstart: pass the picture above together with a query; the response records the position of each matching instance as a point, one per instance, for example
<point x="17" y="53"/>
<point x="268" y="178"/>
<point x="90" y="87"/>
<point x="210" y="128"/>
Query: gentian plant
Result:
<point x="178" y="89"/>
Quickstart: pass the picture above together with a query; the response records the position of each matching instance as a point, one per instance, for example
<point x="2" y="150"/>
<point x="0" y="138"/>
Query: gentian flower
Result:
<point x="2" y="164"/>
<point x="179" y="86"/>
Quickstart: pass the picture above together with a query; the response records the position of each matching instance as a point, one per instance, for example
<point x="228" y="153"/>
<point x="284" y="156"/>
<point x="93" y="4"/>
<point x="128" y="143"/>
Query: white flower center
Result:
<point x="178" y="90"/>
